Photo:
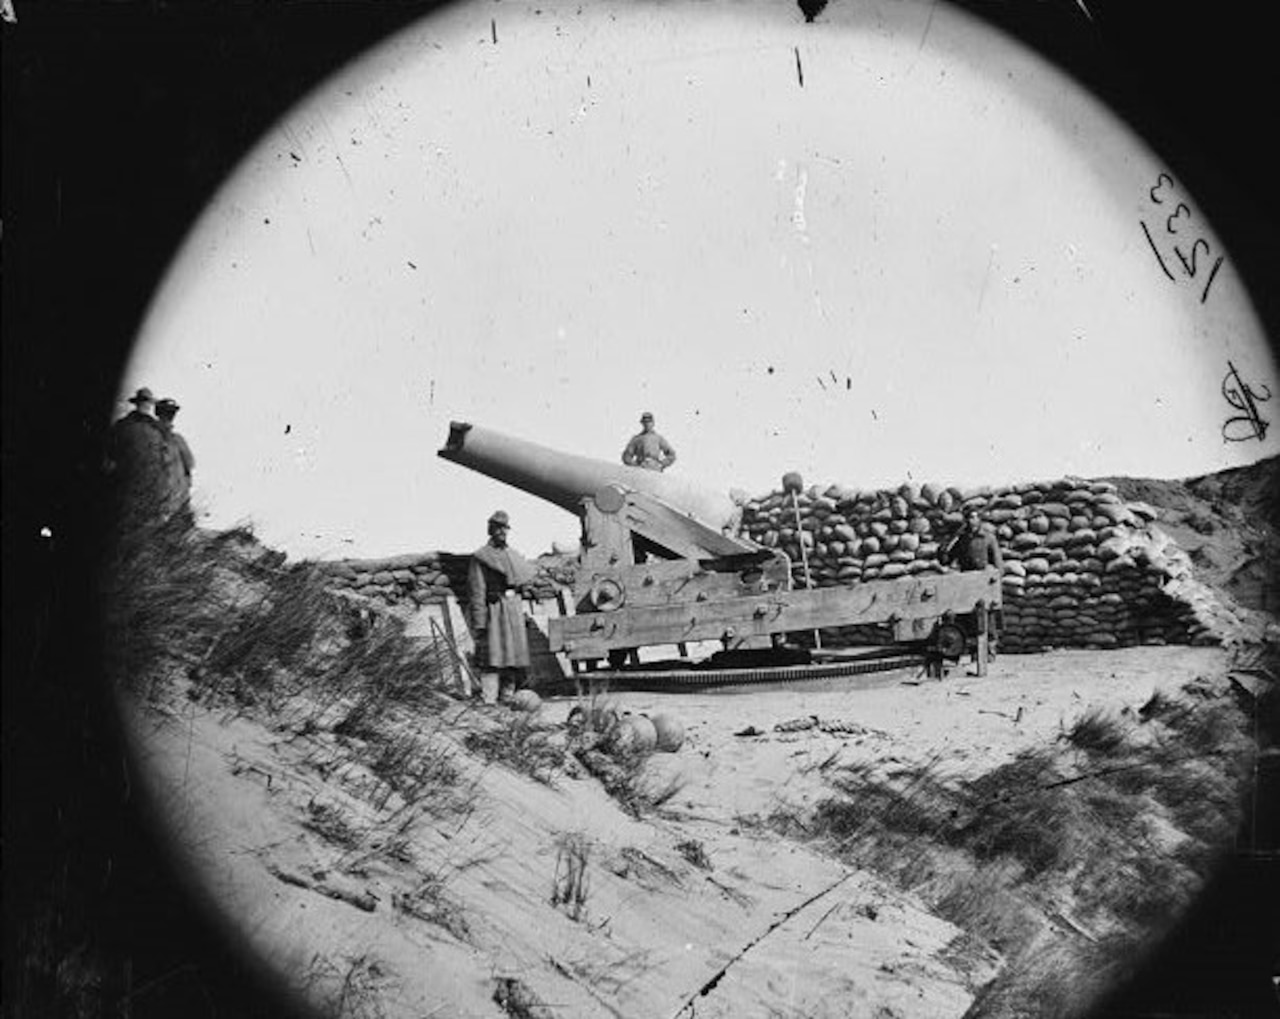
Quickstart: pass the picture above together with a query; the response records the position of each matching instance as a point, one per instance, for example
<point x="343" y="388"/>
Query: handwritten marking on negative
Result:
<point x="1248" y="424"/>
<point x="1177" y="224"/>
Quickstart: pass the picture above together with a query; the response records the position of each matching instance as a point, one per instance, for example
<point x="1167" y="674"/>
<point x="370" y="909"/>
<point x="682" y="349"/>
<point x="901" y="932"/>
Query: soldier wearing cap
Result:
<point x="136" y="460"/>
<point x="179" y="462"/>
<point x="497" y="576"/>
<point x="648" y="449"/>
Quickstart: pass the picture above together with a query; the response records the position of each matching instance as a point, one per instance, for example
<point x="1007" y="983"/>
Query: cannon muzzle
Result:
<point x="566" y="479"/>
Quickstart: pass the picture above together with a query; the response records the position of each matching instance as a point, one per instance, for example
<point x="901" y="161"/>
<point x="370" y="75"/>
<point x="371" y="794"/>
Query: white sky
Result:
<point x="926" y="262"/>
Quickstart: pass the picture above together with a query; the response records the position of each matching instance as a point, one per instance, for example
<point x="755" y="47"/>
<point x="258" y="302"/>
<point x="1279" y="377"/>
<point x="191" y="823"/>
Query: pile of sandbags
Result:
<point x="416" y="578"/>
<point x="1082" y="567"/>
<point x="420" y="578"/>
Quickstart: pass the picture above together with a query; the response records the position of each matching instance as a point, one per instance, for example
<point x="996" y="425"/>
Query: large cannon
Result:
<point x="661" y="564"/>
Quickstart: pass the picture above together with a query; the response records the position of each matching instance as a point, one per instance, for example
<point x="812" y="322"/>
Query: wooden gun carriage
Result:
<point x="660" y="564"/>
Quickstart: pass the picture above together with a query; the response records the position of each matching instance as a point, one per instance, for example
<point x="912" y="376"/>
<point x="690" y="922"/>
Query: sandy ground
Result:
<point x="967" y="725"/>
<point x="756" y="926"/>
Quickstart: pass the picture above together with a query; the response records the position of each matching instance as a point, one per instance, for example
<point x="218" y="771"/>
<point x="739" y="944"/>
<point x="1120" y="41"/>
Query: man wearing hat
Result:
<point x="495" y="579"/>
<point x="179" y="462"/>
<point x="136" y="459"/>
<point x="648" y="449"/>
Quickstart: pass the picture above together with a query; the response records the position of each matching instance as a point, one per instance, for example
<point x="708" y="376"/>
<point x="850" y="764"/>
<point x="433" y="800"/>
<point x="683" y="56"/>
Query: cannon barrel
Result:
<point x="565" y="479"/>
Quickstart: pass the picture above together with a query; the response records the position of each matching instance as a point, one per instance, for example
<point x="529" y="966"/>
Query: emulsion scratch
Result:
<point x="343" y="166"/>
<point x="333" y="143"/>
<point x="688" y="1009"/>
<point x="927" y="25"/>
<point x="797" y="213"/>
<point x="986" y="276"/>
<point x="493" y="30"/>
<point x="799" y="67"/>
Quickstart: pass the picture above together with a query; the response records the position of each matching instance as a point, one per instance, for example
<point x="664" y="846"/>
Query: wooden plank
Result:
<point x="593" y="634"/>
<point x="671" y="582"/>
<point x="980" y="655"/>
<point x="606" y="542"/>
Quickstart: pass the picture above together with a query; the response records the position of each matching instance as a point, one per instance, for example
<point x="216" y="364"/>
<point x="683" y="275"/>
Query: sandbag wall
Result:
<point x="419" y="578"/>
<point x="1082" y="568"/>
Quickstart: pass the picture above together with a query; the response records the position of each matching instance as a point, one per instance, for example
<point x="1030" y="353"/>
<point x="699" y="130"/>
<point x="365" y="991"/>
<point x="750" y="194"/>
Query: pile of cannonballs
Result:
<point x="1082" y="567"/>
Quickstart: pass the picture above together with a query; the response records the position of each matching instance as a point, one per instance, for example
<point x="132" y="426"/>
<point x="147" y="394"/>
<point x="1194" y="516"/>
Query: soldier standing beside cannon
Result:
<point x="974" y="548"/>
<point x="495" y="580"/>
<point x="648" y="449"/>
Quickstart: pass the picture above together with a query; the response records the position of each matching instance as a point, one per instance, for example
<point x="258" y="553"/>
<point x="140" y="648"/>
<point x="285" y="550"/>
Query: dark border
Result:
<point x="119" y="120"/>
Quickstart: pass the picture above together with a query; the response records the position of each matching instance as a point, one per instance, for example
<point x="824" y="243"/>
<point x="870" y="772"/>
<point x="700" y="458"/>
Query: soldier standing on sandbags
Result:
<point x="180" y="462"/>
<point x="648" y="449"/>
<point x="495" y="579"/>
<point x="136" y="461"/>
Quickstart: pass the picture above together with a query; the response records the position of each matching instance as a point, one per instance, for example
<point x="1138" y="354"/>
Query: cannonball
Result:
<point x="670" y="733"/>
<point x="526" y="700"/>
<point x="637" y="733"/>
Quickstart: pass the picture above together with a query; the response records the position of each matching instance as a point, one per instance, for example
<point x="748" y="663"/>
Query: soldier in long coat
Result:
<point x="495" y="580"/>
<point x="137" y="461"/>
<point x="180" y="462"/>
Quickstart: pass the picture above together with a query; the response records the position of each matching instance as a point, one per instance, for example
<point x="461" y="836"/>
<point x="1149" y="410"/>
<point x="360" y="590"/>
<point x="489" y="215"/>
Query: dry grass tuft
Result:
<point x="331" y="823"/>
<point x="620" y="768"/>
<point x="695" y="852"/>
<point x="1097" y="731"/>
<point x="570" y="886"/>
<point x="347" y="990"/>
<point x="1016" y="811"/>
<point x="411" y="766"/>
<point x="520" y="744"/>
<point x="245" y="629"/>
<point x="519" y="1001"/>
<point x="430" y="902"/>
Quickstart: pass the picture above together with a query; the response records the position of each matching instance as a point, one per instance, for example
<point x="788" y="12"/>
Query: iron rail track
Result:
<point x="678" y="680"/>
